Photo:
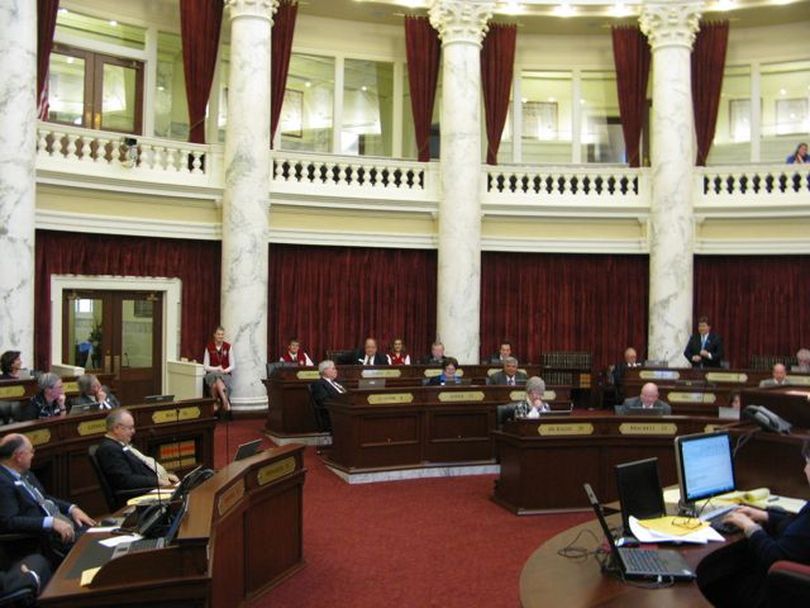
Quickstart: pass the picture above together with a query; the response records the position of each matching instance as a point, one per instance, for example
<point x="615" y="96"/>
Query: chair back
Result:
<point x="109" y="497"/>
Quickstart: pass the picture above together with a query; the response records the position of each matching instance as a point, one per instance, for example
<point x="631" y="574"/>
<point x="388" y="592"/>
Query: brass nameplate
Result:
<point x="230" y="497"/>
<point x="383" y="398"/>
<point x="737" y="378"/>
<point x="711" y="428"/>
<point x="177" y="415"/>
<point x="92" y="427"/>
<point x="648" y="428"/>
<point x="381" y="373"/>
<point x="274" y="471"/>
<point x="39" y="437"/>
<point x="447" y="397"/>
<point x="799" y="380"/>
<point x="308" y="374"/>
<point x="12" y="391"/>
<point x="553" y="430"/>
<point x="659" y="374"/>
<point x="70" y="387"/>
<point x="518" y="395"/>
<point x="549" y="395"/>
<point x="678" y="397"/>
<point x="493" y="370"/>
<point x="433" y="372"/>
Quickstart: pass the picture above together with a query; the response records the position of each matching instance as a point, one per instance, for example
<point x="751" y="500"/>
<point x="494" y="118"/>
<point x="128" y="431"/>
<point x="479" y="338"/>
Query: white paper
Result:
<point x="702" y="536"/>
<point x="117" y="540"/>
<point x="100" y="529"/>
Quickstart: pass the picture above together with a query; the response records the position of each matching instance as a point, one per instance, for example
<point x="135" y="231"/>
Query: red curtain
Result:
<point x="550" y="302"/>
<point x="423" y="49"/>
<point x="631" y="56"/>
<point x="333" y="297"/>
<point x="200" y="22"/>
<point x="708" y="62"/>
<point x="196" y="263"/>
<point x="758" y="304"/>
<point x="46" y="25"/>
<point x="497" y="64"/>
<point x="283" y="30"/>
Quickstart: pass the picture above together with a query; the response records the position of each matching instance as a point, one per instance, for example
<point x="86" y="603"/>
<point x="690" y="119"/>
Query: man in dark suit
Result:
<point x="510" y="375"/>
<point x="32" y="572"/>
<point x="370" y="356"/>
<point x="124" y="467"/>
<point x="647" y="400"/>
<point x="322" y="390"/>
<point x="26" y="508"/>
<point x="93" y="396"/>
<point x="778" y="377"/>
<point x="437" y="355"/>
<point x="704" y="349"/>
<point x="504" y="352"/>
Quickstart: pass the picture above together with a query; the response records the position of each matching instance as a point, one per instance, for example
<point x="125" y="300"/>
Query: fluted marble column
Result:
<point x="18" y="56"/>
<point x="670" y="28"/>
<point x="461" y="26"/>
<point x="246" y="199"/>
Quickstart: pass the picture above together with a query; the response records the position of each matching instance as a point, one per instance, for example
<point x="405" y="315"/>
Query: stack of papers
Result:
<point x="673" y="529"/>
<point x="758" y="497"/>
<point x="151" y="497"/>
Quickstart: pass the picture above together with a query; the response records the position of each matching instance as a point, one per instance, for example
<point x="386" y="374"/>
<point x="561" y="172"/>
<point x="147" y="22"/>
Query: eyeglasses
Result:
<point x="689" y="523"/>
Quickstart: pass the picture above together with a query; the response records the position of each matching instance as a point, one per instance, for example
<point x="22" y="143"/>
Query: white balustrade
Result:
<point x="753" y="184"/>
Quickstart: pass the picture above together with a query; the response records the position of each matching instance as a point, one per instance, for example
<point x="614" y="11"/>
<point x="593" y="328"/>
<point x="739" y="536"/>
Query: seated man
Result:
<point x="50" y="400"/>
<point x="735" y="575"/>
<point x="510" y="375"/>
<point x="530" y="407"/>
<point x="778" y="377"/>
<point x="437" y="355"/>
<point x="295" y="354"/>
<point x="504" y="352"/>
<point x="803" y="361"/>
<point x="92" y="396"/>
<point x="123" y="466"/>
<point x="322" y="390"/>
<point x="27" y="509"/>
<point x="370" y="356"/>
<point x="647" y="400"/>
<point x="448" y="375"/>
<point x="32" y="572"/>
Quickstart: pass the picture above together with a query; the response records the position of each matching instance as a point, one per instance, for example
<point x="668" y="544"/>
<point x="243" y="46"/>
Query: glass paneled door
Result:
<point x="118" y="333"/>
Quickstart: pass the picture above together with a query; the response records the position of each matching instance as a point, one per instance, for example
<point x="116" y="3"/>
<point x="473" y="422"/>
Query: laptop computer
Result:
<point x="640" y="491"/>
<point x="371" y="383"/>
<point x="641" y="564"/>
<point x="148" y="544"/>
<point x="246" y="450"/>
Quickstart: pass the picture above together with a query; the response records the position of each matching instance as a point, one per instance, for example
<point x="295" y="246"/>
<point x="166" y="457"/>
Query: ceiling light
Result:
<point x="113" y="23"/>
<point x="782" y="92"/>
<point x="524" y="100"/>
<point x="307" y="84"/>
<point x="511" y="7"/>
<point x="620" y="10"/>
<point x="63" y="11"/>
<point x="564" y="10"/>
<point x="70" y="59"/>
<point x="552" y="99"/>
<point x="364" y="88"/>
<point x="725" y="5"/>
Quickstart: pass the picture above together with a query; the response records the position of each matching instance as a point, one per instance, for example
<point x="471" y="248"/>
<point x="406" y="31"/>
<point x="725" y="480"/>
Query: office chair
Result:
<point x="114" y="500"/>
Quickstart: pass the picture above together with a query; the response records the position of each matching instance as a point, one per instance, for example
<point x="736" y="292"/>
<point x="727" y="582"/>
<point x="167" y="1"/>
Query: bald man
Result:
<point x="778" y="377"/>
<point x="646" y="401"/>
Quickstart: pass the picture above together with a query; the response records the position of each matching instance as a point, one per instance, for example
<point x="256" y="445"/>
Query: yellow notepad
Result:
<point x="672" y="525"/>
<point x="88" y="576"/>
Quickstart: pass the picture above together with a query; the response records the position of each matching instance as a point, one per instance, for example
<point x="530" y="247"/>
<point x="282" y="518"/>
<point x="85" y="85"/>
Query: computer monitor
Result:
<point x="640" y="491"/>
<point x="158" y="399"/>
<point x="705" y="464"/>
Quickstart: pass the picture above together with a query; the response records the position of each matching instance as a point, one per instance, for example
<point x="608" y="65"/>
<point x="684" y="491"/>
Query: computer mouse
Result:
<point x="627" y="541"/>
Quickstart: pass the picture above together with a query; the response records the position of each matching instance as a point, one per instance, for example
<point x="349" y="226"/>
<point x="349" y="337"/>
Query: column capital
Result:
<point x="461" y="20"/>
<point x="263" y="9"/>
<point x="667" y="23"/>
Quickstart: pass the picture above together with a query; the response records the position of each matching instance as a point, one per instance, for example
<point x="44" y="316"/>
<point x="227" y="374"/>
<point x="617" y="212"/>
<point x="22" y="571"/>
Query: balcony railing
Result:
<point x="752" y="184"/>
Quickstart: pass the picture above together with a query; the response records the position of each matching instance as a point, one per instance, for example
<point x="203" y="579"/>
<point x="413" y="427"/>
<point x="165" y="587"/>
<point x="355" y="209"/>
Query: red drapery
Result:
<point x="46" y="25"/>
<point x="423" y="48"/>
<point x="333" y="297"/>
<point x="758" y="304"/>
<point x="551" y="302"/>
<point x="708" y="62"/>
<point x="200" y="22"/>
<point x="195" y="263"/>
<point x="631" y="56"/>
<point x="283" y="30"/>
<point x="497" y="63"/>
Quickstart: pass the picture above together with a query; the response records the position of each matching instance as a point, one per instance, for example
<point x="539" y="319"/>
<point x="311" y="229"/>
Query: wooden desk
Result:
<point x="290" y="412"/>
<point x="242" y="535"/>
<point x="17" y="390"/>
<point x="179" y="434"/>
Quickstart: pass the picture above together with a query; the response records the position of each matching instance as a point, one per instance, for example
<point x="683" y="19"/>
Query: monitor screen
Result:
<point x="639" y="490"/>
<point x="705" y="465"/>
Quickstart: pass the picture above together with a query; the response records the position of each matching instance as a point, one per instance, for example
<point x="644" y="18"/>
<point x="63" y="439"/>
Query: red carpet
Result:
<point x="432" y="542"/>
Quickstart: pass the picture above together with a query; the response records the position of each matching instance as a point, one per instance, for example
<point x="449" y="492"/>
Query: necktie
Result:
<point x="511" y="381"/>
<point x="150" y="462"/>
<point x="703" y="341"/>
<point x="368" y="360"/>
<point x="339" y="388"/>
<point x="47" y="505"/>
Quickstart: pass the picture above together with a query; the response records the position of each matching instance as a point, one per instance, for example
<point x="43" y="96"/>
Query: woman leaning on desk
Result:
<point x="736" y="575"/>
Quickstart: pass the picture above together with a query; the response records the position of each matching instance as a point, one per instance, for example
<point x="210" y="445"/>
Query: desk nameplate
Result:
<point x="389" y="398"/>
<point x="176" y="415"/>
<point x="92" y="427"/>
<point x="683" y="397"/>
<point x="734" y="377"/>
<point x="12" y="391"/>
<point x="39" y="437"/>
<point x="521" y="395"/>
<point x="799" y="380"/>
<point x="308" y="374"/>
<point x="276" y="470"/>
<point x="659" y="374"/>
<point x="230" y="497"/>
<point x="437" y="371"/>
<point x="381" y="373"/>
<point x="648" y="428"/>
<point x="456" y="397"/>
<point x="70" y="387"/>
<point x="565" y="429"/>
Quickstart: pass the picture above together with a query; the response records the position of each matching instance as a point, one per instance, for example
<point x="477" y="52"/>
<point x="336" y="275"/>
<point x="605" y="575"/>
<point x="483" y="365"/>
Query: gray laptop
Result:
<point x="371" y="383"/>
<point x="641" y="564"/>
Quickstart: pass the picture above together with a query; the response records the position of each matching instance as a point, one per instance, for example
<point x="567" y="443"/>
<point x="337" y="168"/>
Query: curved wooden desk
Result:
<point x="548" y="579"/>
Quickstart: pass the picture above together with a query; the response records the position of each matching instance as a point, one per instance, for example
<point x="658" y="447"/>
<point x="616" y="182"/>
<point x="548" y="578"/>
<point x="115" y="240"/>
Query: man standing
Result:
<point x="370" y="355"/>
<point x="510" y="375"/>
<point x="322" y="390"/>
<point x="705" y="349"/>
<point x="123" y="466"/>
<point x="630" y="362"/>
<point x="26" y="508"/>
<point x="779" y="377"/>
<point x="647" y="400"/>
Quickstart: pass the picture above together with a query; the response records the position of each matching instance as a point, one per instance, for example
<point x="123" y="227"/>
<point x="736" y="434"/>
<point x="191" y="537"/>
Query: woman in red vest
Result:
<point x="219" y="362"/>
<point x="398" y="354"/>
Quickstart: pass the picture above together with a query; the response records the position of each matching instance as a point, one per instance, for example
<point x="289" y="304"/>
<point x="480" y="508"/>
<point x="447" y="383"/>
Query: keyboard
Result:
<point x="641" y="560"/>
<point x="143" y="544"/>
<point x="718" y="513"/>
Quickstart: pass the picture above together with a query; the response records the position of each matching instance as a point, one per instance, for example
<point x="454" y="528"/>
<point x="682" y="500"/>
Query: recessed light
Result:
<point x="70" y="59"/>
<point x="307" y="84"/>
<point x="113" y="23"/>
<point x="364" y="88"/>
<point x="782" y="92"/>
<point x="63" y="11"/>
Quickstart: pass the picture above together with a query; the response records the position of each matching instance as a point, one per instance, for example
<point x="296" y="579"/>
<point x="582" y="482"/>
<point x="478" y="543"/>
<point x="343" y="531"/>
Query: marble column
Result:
<point x="670" y="28"/>
<point x="18" y="124"/>
<point x="245" y="204"/>
<point x="461" y="26"/>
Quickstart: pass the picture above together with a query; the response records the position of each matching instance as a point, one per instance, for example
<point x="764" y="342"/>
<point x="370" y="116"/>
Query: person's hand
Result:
<point x="757" y="515"/>
<point x="174" y="478"/>
<point x="705" y="353"/>
<point x="81" y="518"/>
<point x="64" y="530"/>
<point x="739" y="520"/>
<point x="696" y="358"/>
<point x="165" y="483"/>
<point x="101" y="396"/>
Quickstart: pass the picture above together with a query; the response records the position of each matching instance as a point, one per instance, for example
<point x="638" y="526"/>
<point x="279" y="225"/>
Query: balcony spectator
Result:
<point x="800" y="156"/>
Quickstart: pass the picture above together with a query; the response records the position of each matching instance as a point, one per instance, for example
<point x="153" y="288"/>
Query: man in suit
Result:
<point x="27" y="509"/>
<point x="123" y="466"/>
<point x="510" y="375"/>
<point x="630" y="361"/>
<point x="370" y="355"/>
<point x="778" y="377"/>
<point x="504" y="352"/>
<point x="322" y="390"/>
<point x="647" y="400"/>
<point x="32" y="572"/>
<point x="93" y="396"/>
<point x="704" y="349"/>
<point x="437" y="355"/>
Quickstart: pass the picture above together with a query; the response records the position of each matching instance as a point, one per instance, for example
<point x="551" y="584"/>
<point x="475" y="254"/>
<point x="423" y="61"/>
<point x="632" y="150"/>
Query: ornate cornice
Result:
<point x="460" y="20"/>
<point x="263" y="9"/>
<point x="667" y="23"/>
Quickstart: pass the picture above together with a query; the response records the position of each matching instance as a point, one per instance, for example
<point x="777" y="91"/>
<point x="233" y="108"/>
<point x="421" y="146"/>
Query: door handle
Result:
<point x="107" y="363"/>
<point x="116" y="364"/>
